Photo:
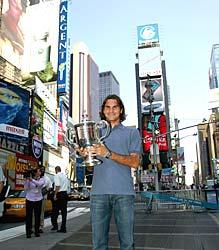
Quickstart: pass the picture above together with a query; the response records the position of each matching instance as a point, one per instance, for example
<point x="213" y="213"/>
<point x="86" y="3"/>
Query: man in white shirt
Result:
<point x="60" y="200"/>
<point x="47" y="186"/>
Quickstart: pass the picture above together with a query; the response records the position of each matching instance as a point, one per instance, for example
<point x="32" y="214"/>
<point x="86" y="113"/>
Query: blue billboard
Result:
<point x="14" y="117"/>
<point x="63" y="54"/>
<point x="147" y="34"/>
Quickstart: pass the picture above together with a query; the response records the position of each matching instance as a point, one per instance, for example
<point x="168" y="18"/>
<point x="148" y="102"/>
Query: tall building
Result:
<point x="84" y="89"/>
<point x="214" y="68"/>
<point x="108" y="84"/>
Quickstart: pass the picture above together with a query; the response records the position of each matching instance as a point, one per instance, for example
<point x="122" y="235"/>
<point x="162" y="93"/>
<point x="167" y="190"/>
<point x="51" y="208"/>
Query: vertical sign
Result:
<point x="62" y="48"/>
<point x="36" y="131"/>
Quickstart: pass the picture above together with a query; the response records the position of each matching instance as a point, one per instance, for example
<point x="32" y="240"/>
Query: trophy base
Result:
<point x="91" y="163"/>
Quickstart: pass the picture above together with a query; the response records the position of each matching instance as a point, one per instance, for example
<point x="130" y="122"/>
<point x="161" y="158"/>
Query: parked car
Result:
<point x="14" y="205"/>
<point x="74" y="195"/>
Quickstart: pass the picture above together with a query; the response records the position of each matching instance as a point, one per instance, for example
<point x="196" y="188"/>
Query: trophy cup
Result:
<point x="87" y="133"/>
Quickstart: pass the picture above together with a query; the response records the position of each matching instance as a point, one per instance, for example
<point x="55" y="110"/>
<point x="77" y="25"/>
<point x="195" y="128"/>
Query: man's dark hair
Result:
<point x="58" y="168"/>
<point x="120" y="103"/>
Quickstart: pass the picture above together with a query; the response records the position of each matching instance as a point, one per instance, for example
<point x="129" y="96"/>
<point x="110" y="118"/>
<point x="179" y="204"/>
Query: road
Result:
<point x="7" y="223"/>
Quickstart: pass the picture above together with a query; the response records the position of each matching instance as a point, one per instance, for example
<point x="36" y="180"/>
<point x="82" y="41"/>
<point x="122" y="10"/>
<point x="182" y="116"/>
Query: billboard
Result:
<point x="40" y="44"/>
<point x="148" y="35"/>
<point x="16" y="165"/>
<point x="180" y="155"/>
<point x="14" y="117"/>
<point x="50" y="130"/>
<point x="149" y="62"/>
<point x="155" y="88"/>
<point x="160" y="130"/>
<point x="63" y="118"/>
<point x="36" y="129"/>
<point x="12" y="33"/>
<point x="63" y="50"/>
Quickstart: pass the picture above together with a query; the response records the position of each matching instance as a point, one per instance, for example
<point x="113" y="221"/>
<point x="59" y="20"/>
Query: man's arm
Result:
<point x="133" y="160"/>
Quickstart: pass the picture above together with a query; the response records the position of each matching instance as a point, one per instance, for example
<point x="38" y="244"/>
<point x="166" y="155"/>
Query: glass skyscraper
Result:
<point x="108" y="85"/>
<point x="214" y="69"/>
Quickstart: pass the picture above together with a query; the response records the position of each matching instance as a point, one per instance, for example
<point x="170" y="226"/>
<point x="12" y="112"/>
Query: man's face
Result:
<point x="112" y="111"/>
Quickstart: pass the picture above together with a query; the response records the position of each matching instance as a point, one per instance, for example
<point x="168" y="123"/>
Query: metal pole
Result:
<point x="148" y="85"/>
<point x="154" y="152"/>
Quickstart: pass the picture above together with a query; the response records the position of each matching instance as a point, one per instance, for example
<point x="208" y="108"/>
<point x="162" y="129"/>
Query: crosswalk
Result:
<point x="20" y="230"/>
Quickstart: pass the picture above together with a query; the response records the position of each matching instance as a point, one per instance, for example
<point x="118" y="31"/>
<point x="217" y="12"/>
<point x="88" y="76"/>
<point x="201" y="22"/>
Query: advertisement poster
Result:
<point x="160" y="130"/>
<point x="36" y="130"/>
<point x="14" y="117"/>
<point x="41" y="40"/>
<point x="152" y="95"/>
<point x="12" y="31"/>
<point x="50" y="130"/>
<point x="64" y="119"/>
<point x="149" y="62"/>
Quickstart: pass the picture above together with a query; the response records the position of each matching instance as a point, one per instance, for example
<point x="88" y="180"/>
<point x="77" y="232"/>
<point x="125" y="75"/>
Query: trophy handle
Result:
<point x="100" y="125"/>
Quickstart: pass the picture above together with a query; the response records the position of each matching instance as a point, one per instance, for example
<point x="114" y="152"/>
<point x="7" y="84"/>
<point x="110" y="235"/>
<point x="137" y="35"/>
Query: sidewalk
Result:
<point x="15" y="238"/>
<point x="159" y="230"/>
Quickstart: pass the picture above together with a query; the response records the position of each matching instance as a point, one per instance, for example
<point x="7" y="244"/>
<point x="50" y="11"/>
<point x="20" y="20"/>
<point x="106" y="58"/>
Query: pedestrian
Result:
<point x="46" y="188"/>
<point x="33" y="186"/>
<point x="112" y="187"/>
<point x="60" y="200"/>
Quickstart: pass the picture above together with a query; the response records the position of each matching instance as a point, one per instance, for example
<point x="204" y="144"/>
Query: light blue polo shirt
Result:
<point x="111" y="177"/>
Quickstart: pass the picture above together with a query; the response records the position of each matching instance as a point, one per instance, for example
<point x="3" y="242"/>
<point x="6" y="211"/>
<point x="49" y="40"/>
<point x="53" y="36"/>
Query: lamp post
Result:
<point x="148" y="96"/>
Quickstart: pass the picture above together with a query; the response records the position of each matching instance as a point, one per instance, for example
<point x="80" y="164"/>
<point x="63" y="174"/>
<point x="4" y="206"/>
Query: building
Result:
<point x="153" y="101"/>
<point x="84" y="86"/>
<point x="214" y="68"/>
<point x="108" y="85"/>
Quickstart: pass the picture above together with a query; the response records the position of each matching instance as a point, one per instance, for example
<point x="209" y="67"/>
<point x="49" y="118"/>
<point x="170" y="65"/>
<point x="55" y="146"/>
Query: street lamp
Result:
<point x="149" y="96"/>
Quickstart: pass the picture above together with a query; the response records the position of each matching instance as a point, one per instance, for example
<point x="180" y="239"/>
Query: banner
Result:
<point x="14" y="117"/>
<point x="36" y="129"/>
<point x="63" y="55"/>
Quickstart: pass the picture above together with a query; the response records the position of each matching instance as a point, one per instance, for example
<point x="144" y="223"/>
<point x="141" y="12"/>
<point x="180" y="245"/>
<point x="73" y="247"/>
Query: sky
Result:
<point x="187" y="31"/>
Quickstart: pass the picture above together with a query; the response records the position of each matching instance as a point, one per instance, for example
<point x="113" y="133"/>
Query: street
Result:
<point x="162" y="229"/>
<point x="8" y="222"/>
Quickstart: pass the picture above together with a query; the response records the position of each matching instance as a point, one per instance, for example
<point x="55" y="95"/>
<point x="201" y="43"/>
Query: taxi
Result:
<point x="14" y="205"/>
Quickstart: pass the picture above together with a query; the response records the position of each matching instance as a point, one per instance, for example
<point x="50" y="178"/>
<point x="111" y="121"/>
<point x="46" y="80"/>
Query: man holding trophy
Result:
<point x="112" y="187"/>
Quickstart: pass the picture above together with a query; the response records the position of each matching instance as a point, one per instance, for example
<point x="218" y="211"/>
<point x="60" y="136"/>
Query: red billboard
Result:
<point x="160" y="130"/>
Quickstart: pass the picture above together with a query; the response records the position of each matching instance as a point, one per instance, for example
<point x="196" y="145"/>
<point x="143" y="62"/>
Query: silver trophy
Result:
<point x="87" y="133"/>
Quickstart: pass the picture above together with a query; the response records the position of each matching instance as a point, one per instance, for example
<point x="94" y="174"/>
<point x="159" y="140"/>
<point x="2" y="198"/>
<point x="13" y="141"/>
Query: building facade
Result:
<point x="108" y="85"/>
<point x="85" y="86"/>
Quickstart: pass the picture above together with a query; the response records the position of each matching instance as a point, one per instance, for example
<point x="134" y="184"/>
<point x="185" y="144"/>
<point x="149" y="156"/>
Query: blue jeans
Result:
<point x="102" y="208"/>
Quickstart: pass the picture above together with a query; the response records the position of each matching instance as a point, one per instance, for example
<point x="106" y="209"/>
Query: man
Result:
<point x="47" y="186"/>
<point x="112" y="186"/>
<point x="60" y="200"/>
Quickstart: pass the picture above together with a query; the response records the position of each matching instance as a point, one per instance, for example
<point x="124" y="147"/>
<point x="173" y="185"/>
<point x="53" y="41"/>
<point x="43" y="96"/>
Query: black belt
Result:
<point x="62" y="192"/>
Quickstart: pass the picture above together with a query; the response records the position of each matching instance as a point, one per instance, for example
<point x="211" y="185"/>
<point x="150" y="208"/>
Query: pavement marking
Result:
<point x="215" y="219"/>
<point x="116" y="247"/>
<point x="163" y="234"/>
<point x="20" y="230"/>
<point x="174" y="225"/>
